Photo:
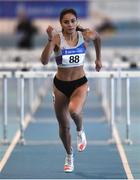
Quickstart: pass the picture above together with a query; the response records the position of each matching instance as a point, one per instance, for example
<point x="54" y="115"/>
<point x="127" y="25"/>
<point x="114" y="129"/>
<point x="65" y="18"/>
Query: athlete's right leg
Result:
<point x="61" y="110"/>
<point x="62" y="114"/>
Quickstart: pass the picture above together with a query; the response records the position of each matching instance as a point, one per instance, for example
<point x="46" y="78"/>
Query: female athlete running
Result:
<point x="70" y="82"/>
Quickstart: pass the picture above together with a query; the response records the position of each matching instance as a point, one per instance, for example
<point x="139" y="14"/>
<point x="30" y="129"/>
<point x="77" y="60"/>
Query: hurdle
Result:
<point x="5" y="76"/>
<point x="110" y="111"/>
<point x="109" y="107"/>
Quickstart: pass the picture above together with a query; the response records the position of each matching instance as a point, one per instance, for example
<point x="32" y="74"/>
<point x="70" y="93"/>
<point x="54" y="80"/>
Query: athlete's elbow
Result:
<point x="44" y="61"/>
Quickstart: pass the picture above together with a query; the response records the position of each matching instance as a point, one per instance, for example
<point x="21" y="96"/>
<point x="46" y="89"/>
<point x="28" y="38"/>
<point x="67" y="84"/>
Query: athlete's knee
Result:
<point x="75" y="115"/>
<point x="74" y="112"/>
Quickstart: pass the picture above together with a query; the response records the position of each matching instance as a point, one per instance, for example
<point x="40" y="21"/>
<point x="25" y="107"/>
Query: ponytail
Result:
<point x="80" y="29"/>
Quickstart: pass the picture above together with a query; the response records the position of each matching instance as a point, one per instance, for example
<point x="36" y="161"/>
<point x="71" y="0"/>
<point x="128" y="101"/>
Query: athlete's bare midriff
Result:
<point x="70" y="74"/>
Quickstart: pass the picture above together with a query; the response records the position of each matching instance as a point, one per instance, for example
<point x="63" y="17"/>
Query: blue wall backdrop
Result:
<point x="42" y="9"/>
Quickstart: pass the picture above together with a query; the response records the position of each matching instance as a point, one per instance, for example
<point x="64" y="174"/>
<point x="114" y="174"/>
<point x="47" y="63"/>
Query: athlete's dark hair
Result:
<point x="66" y="11"/>
<point x="72" y="11"/>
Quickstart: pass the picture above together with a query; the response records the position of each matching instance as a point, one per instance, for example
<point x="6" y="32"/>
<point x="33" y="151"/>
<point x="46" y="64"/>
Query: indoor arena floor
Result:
<point x="42" y="156"/>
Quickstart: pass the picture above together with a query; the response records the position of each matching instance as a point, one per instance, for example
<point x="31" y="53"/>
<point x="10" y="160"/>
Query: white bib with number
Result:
<point x="71" y="56"/>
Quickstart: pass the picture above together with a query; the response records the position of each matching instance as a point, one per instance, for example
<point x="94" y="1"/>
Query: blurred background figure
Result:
<point x="25" y="30"/>
<point x="107" y="26"/>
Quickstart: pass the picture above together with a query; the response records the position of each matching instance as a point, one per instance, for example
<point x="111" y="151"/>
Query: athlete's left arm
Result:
<point x="94" y="36"/>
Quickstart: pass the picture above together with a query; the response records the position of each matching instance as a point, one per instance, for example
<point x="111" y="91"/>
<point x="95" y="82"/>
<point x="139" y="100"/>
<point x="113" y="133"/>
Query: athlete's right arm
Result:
<point x="47" y="51"/>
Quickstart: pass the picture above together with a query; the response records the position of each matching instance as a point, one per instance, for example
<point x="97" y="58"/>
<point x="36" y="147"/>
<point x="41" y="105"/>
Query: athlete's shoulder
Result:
<point x="90" y="34"/>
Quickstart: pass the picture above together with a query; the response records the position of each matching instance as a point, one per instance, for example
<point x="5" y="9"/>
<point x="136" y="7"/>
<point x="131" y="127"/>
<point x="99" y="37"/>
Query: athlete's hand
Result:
<point x="49" y="31"/>
<point x="98" y="65"/>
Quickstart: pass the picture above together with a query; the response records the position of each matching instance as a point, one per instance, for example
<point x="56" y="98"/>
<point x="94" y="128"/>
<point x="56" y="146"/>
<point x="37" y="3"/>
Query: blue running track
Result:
<point x="42" y="156"/>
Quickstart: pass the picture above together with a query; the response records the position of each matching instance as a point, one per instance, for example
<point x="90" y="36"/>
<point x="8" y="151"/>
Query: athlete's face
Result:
<point x="69" y="23"/>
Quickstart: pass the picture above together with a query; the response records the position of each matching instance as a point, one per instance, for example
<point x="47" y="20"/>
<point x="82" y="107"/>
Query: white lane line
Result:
<point x="16" y="138"/>
<point x="119" y="146"/>
<point x="58" y="142"/>
<point x="13" y="144"/>
<point x="122" y="154"/>
<point x="52" y="120"/>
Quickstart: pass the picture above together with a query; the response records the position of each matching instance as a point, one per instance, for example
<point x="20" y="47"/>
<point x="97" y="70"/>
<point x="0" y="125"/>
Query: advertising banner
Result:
<point x="42" y="9"/>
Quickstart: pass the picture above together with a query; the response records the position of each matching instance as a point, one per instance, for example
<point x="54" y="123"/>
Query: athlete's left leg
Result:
<point x="76" y="104"/>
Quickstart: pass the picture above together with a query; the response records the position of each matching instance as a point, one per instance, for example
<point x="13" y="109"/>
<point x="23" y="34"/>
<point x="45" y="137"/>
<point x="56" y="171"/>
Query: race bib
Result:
<point x="73" y="59"/>
<point x="73" y="56"/>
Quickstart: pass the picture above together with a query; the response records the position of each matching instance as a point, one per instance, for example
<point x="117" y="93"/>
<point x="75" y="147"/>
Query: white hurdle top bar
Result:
<point x="7" y="74"/>
<point x="90" y="74"/>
